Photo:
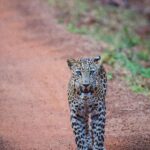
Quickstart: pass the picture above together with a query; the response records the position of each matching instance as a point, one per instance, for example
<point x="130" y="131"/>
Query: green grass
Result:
<point x="109" y="75"/>
<point x="139" y="89"/>
<point x="117" y="28"/>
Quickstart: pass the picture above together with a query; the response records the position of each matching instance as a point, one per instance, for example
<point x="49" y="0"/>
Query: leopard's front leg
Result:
<point x="79" y="125"/>
<point x="98" y="125"/>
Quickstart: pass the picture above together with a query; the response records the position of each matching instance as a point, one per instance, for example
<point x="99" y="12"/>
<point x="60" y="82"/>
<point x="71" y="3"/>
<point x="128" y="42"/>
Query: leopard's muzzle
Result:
<point x="86" y="88"/>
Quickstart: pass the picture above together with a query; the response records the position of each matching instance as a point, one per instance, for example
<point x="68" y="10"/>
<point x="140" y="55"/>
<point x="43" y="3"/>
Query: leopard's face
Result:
<point x="84" y="74"/>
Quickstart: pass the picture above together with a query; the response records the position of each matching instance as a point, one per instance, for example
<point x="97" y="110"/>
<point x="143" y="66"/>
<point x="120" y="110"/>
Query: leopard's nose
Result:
<point x="86" y="85"/>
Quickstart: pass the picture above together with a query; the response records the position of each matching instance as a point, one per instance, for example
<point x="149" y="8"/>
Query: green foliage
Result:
<point x="143" y="55"/>
<point x="138" y="89"/>
<point x="74" y="29"/>
<point x="119" y="57"/>
<point x="109" y="75"/>
<point x="145" y="72"/>
<point x="129" y="38"/>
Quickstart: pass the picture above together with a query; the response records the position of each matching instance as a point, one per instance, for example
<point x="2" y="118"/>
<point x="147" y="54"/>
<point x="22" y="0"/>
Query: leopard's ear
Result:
<point x="97" y="59"/>
<point x="71" y="62"/>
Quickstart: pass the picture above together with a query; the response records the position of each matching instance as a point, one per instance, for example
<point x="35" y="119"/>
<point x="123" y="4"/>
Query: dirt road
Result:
<point x="34" y="112"/>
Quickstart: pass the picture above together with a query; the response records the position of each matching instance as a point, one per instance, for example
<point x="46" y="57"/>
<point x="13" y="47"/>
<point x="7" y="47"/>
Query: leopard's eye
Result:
<point x="78" y="72"/>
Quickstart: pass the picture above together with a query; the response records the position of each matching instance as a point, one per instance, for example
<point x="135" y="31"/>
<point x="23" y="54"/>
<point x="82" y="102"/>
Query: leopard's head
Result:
<point x="84" y="74"/>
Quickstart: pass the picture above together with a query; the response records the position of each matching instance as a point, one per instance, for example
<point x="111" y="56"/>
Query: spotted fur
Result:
<point x="86" y="96"/>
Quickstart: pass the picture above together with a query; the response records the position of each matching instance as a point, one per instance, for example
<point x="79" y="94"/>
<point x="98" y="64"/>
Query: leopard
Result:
<point x="86" y="97"/>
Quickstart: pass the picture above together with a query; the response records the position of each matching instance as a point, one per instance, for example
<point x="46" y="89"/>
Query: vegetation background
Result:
<point x="124" y="28"/>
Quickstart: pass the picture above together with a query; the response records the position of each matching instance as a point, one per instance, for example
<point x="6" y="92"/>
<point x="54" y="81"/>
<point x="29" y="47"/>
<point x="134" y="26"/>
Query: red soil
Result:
<point x="34" y="112"/>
